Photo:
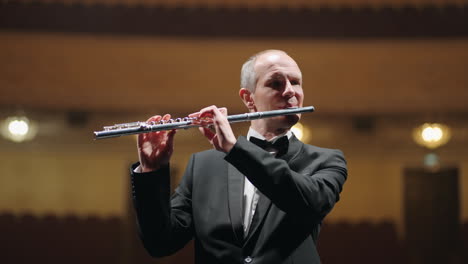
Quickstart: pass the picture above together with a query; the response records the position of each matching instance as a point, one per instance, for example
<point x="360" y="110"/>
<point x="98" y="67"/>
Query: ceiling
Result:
<point x="256" y="3"/>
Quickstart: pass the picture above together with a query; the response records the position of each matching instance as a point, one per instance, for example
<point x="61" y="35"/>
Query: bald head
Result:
<point x="271" y="80"/>
<point x="249" y="75"/>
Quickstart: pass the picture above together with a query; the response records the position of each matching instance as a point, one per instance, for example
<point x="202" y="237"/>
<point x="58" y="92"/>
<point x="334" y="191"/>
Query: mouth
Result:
<point x="290" y="106"/>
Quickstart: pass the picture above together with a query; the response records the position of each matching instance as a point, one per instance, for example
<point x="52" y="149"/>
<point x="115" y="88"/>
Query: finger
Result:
<point x="223" y="110"/>
<point x="207" y="133"/>
<point x="196" y="114"/>
<point x="170" y="139"/>
<point x="196" y="118"/>
<point x="219" y="115"/>
<point x="222" y="127"/>
<point x="207" y="115"/>
<point x="166" y="117"/>
<point x="218" y="111"/>
<point x="202" y="117"/>
<point x="219" y="119"/>
<point x="146" y="136"/>
<point x="211" y="109"/>
<point x="155" y="118"/>
<point x="207" y="111"/>
<point x="140" y="140"/>
<point x="152" y="136"/>
<point x="207" y="108"/>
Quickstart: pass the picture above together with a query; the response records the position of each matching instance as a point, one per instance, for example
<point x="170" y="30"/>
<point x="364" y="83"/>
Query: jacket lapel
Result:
<point x="264" y="203"/>
<point x="263" y="206"/>
<point x="235" y="195"/>
<point x="294" y="147"/>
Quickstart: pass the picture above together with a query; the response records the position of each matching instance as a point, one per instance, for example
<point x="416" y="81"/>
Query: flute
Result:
<point x="139" y="127"/>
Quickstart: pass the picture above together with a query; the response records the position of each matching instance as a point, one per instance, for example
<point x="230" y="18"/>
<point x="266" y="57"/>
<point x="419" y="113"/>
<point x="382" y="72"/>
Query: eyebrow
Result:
<point x="276" y="75"/>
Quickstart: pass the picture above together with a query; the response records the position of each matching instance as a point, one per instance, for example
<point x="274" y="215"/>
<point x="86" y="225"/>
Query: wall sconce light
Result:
<point x="431" y="135"/>
<point x="18" y="129"/>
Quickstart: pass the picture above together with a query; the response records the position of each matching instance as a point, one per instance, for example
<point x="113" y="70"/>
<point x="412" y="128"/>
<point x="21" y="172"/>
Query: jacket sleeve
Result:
<point x="165" y="223"/>
<point x="308" y="185"/>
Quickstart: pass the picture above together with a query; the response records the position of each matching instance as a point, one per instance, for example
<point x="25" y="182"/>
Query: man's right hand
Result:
<point x="155" y="148"/>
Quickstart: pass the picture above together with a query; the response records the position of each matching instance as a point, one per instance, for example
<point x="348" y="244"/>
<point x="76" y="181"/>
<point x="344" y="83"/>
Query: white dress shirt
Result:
<point x="250" y="198"/>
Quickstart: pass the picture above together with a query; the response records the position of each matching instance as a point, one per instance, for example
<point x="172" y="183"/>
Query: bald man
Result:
<point x="254" y="199"/>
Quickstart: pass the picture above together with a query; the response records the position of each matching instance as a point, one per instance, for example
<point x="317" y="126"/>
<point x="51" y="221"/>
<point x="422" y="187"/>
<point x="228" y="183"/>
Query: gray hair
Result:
<point x="248" y="77"/>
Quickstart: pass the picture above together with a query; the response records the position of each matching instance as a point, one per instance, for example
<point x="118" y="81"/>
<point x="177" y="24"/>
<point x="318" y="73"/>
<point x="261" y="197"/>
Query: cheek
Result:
<point x="300" y="94"/>
<point x="261" y="99"/>
<point x="267" y="96"/>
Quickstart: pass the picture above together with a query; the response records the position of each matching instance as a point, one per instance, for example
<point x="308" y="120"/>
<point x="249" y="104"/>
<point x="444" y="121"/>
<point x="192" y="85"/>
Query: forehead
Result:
<point x="273" y="63"/>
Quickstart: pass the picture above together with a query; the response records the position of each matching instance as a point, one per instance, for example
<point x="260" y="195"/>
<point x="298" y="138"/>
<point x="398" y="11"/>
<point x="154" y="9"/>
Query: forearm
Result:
<point x="159" y="228"/>
<point x="150" y="194"/>
<point x="310" y="186"/>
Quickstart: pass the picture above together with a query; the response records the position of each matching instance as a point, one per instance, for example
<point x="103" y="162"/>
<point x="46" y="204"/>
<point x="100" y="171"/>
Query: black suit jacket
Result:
<point x="297" y="191"/>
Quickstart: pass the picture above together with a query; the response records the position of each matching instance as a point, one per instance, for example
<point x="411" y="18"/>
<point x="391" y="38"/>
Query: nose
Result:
<point x="288" y="90"/>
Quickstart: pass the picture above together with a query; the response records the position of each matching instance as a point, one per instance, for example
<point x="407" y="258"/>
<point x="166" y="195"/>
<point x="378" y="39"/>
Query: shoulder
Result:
<point x="212" y="154"/>
<point x="322" y="155"/>
<point x="321" y="150"/>
<point x="314" y="150"/>
<point x="313" y="159"/>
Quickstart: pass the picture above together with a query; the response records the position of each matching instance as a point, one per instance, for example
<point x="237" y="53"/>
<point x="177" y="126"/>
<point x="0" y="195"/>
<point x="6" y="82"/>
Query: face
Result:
<point x="279" y="86"/>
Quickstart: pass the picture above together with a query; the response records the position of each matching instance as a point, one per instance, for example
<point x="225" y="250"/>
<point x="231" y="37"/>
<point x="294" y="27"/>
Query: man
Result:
<point x="241" y="203"/>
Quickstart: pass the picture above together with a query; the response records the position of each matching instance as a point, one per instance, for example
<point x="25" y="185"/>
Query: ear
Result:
<point x="246" y="96"/>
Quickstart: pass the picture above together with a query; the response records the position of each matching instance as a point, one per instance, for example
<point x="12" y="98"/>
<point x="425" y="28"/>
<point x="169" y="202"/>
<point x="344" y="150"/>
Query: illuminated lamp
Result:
<point x="431" y="135"/>
<point x="301" y="132"/>
<point x="18" y="129"/>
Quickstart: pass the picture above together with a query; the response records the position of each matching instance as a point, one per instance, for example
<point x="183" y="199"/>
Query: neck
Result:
<point x="266" y="131"/>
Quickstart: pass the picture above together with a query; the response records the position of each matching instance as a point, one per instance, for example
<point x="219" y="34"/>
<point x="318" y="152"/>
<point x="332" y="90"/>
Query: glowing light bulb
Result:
<point x="18" y="127"/>
<point x="298" y="130"/>
<point x="301" y="132"/>
<point x="432" y="135"/>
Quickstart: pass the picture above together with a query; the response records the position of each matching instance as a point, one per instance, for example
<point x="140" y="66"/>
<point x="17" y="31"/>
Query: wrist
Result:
<point x="146" y="169"/>
<point x="230" y="146"/>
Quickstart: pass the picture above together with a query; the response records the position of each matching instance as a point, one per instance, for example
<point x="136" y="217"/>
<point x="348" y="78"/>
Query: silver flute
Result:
<point x="139" y="127"/>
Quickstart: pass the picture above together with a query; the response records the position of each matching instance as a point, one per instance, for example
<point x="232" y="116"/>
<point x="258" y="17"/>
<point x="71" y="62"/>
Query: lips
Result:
<point x="288" y="106"/>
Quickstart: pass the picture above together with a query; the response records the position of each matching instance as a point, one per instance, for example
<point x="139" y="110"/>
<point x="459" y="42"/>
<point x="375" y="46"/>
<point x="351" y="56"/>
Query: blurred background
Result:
<point x="388" y="79"/>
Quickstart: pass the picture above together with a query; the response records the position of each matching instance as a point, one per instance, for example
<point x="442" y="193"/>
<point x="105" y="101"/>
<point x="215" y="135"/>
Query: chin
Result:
<point x="289" y="120"/>
<point x="292" y="119"/>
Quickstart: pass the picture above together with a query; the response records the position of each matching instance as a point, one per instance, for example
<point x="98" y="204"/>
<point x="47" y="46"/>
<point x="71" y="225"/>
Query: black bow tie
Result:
<point x="281" y="144"/>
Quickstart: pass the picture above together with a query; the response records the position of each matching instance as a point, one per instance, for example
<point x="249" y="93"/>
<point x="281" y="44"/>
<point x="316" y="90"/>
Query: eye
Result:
<point x="276" y="83"/>
<point x="295" y="82"/>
